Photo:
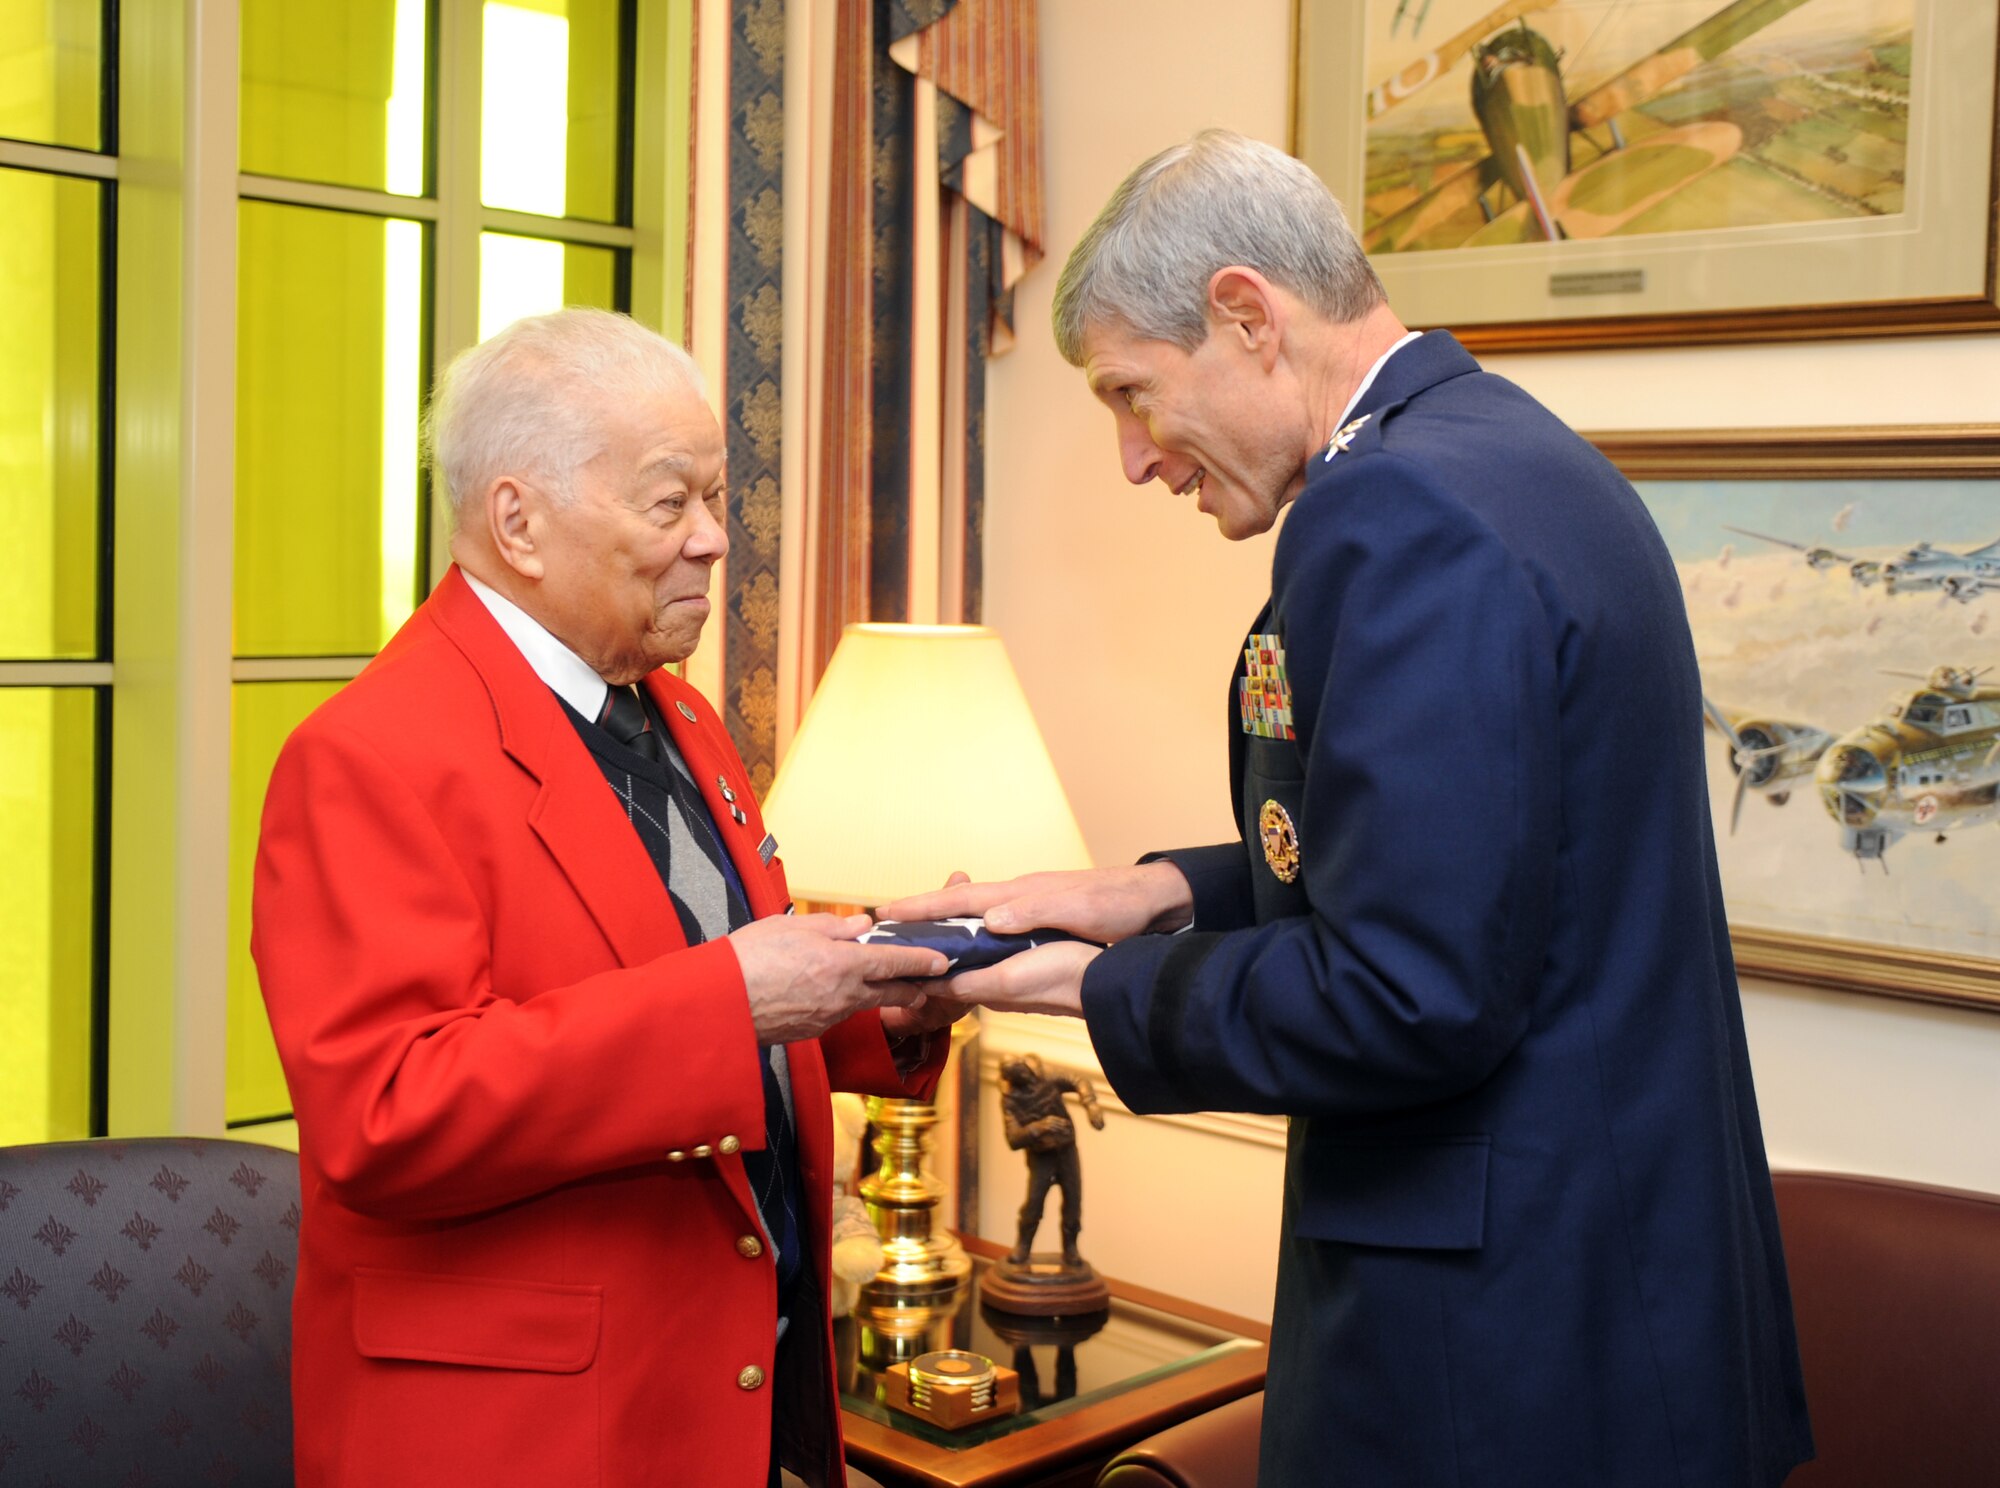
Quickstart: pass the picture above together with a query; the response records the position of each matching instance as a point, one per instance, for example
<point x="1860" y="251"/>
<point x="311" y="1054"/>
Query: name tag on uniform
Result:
<point x="767" y="849"/>
<point x="1264" y="692"/>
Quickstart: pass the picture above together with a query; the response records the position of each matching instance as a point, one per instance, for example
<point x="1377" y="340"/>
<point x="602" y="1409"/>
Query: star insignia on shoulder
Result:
<point x="1344" y="436"/>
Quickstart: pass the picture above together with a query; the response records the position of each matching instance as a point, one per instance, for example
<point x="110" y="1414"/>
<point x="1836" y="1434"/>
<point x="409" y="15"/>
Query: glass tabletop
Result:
<point x="1064" y="1363"/>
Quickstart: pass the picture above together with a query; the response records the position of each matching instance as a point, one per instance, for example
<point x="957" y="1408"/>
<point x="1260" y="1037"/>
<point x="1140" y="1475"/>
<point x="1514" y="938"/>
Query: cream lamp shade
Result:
<point x="917" y="756"/>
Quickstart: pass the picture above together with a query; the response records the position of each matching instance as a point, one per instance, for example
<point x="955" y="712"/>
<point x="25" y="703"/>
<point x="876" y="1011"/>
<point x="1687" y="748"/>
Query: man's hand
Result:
<point x="1101" y="904"/>
<point x="804" y="973"/>
<point x="1048" y="979"/>
<point x="927" y="1014"/>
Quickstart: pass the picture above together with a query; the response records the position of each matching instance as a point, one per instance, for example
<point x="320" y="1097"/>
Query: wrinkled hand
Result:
<point x="1101" y="904"/>
<point x="927" y="1014"/>
<point x="805" y="973"/>
<point x="1047" y="979"/>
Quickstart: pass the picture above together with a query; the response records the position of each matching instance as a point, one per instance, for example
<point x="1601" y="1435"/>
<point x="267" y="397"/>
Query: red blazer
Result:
<point x="529" y="1252"/>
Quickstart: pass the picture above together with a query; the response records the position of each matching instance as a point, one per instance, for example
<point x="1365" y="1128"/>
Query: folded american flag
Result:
<point x="966" y="944"/>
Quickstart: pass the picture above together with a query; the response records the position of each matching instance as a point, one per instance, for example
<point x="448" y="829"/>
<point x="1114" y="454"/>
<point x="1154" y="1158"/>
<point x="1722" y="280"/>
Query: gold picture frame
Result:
<point x="1858" y="459"/>
<point x="1931" y="266"/>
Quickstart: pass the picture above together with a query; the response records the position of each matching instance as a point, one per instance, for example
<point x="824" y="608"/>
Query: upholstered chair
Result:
<point x="146" y="1313"/>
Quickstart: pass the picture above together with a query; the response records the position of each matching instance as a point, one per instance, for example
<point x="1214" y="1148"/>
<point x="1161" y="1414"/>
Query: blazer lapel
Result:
<point x="716" y="769"/>
<point x="575" y="814"/>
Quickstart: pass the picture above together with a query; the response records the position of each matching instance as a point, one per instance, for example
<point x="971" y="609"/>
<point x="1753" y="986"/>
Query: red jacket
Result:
<point x="529" y="1253"/>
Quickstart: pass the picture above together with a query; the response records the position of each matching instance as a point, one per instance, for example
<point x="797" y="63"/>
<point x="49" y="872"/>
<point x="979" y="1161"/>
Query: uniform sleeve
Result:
<point x="1219" y="878"/>
<point x="424" y="1095"/>
<point x="1424" y="680"/>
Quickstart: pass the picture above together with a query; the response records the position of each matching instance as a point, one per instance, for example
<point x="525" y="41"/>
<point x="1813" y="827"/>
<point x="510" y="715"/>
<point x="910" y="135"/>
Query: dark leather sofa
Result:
<point x="1897" y="1292"/>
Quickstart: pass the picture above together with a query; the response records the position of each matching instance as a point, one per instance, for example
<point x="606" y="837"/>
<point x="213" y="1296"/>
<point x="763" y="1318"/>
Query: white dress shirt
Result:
<point x="1366" y="382"/>
<point x="569" y="676"/>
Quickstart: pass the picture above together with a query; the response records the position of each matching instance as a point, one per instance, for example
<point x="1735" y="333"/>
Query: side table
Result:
<point x="1089" y="1386"/>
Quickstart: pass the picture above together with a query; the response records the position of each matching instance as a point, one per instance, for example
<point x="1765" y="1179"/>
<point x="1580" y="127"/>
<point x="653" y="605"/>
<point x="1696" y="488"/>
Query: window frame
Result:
<point x="165" y="665"/>
<point x="95" y="673"/>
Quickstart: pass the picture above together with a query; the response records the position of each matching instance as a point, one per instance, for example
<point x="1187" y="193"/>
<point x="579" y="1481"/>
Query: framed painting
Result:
<point x="1843" y="588"/>
<point x="1562" y="173"/>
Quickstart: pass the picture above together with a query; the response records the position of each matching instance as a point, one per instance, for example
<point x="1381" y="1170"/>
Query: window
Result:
<point x="353" y="194"/>
<point x="367" y="216"/>
<point x="56" y="134"/>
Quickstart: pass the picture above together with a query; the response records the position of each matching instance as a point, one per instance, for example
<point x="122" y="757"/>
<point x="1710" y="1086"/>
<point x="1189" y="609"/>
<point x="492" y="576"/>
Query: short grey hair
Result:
<point x="526" y="400"/>
<point x="1219" y="199"/>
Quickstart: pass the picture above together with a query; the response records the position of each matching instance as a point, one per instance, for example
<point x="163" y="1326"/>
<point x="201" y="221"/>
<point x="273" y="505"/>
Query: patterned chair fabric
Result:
<point x="146" y="1313"/>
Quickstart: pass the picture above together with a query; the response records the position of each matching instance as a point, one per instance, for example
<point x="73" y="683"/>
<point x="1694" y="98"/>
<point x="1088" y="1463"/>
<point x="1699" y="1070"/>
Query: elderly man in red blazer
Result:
<point x="559" y="1055"/>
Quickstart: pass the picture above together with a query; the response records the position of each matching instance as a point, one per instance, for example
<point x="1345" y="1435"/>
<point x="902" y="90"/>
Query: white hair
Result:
<point x="1218" y="200"/>
<point x="526" y="400"/>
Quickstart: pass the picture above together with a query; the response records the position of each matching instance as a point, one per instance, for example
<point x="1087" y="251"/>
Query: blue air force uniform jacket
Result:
<point x="1528" y="1228"/>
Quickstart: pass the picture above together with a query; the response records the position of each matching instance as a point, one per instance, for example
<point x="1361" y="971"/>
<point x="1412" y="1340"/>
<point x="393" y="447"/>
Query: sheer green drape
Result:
<point x="51" y="61"/>
<point x="552" y="91"/>
<point x="328" y="379"/>
<point x="264" y="715"/>
<point x="528" y="276"/>
<point x="49" y="421"/>
<point x="335" y="93"/>
<point x="48" y="821"/>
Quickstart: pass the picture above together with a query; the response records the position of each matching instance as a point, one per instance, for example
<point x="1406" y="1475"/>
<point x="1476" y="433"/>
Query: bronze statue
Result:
<point x="1038" y="1122"/>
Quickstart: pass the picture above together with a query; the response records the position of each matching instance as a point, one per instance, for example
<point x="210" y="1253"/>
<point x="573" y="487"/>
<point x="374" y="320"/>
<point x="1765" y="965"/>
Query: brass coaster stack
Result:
<point x="952" y="1388"/>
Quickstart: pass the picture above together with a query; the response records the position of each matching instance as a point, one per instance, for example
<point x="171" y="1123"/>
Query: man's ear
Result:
<point x="513" y="523"/>
<point x="1247" y="309"/>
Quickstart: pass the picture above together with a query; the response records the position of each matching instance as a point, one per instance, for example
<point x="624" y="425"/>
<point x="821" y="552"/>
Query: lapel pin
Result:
<point x="686" y="712"/>
<point x="1344" y="436"/>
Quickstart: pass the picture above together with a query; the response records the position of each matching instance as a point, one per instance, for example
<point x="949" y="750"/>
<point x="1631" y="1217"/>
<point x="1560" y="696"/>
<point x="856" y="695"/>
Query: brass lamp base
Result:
<point x="921" y="1264"/>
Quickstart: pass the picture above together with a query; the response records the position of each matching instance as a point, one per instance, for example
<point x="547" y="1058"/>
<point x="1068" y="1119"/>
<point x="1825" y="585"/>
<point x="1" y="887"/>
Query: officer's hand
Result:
<point x="1101" y="904"/>
<point x="805" y="973"/>
<point x="1047" y="979"/>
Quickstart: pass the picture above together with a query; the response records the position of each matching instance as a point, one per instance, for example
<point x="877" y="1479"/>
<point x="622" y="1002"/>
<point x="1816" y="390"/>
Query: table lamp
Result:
<point x="917" y="757"/>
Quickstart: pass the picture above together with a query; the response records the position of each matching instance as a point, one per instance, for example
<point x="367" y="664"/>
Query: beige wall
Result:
<point x="1122" y="609"/>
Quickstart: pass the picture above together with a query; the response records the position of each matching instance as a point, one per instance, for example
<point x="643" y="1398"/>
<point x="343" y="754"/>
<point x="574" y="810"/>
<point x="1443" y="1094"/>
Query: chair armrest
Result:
<point x="1217" y="1449"/>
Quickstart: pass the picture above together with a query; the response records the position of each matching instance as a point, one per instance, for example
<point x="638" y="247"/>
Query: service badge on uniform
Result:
<point x="1264" y="692"/>
<point x="1344" y="436"/>
<point x="1281" y="841"/>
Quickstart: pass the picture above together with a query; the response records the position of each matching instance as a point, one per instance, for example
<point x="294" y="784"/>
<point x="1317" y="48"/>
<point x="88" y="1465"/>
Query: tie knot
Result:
<point x="624" y="718"/>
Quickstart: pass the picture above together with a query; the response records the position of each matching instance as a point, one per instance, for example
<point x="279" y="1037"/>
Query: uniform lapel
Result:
<point x="1236" y="744"/>
<point x="1432" y="358"/>
<point x="575" y="814"/>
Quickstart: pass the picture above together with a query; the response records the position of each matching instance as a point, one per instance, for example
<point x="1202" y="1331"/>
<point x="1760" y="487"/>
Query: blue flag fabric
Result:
<point x="965" y="944"/>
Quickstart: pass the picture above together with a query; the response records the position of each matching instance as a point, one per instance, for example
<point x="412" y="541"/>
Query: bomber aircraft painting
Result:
<point x="1917" y="569"/>
<point x="1540" y="120"/>
<point x="1927" y="762"/>
<point x="1854" y="755"/>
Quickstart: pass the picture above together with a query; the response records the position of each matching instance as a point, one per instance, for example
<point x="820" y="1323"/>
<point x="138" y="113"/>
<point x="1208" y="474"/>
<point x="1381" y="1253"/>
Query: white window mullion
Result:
<point x="455" y="307"/>
<point x="58" y="160"/>
<point x="174" y="525"/>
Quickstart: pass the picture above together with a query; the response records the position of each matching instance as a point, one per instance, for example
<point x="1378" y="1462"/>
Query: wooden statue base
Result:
<point x="1043" y="1286"/>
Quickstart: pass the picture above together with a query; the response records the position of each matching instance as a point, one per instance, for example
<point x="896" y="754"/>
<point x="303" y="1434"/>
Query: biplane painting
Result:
<point x="1853" y="707"/>
<point x="1545" y="120"/>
